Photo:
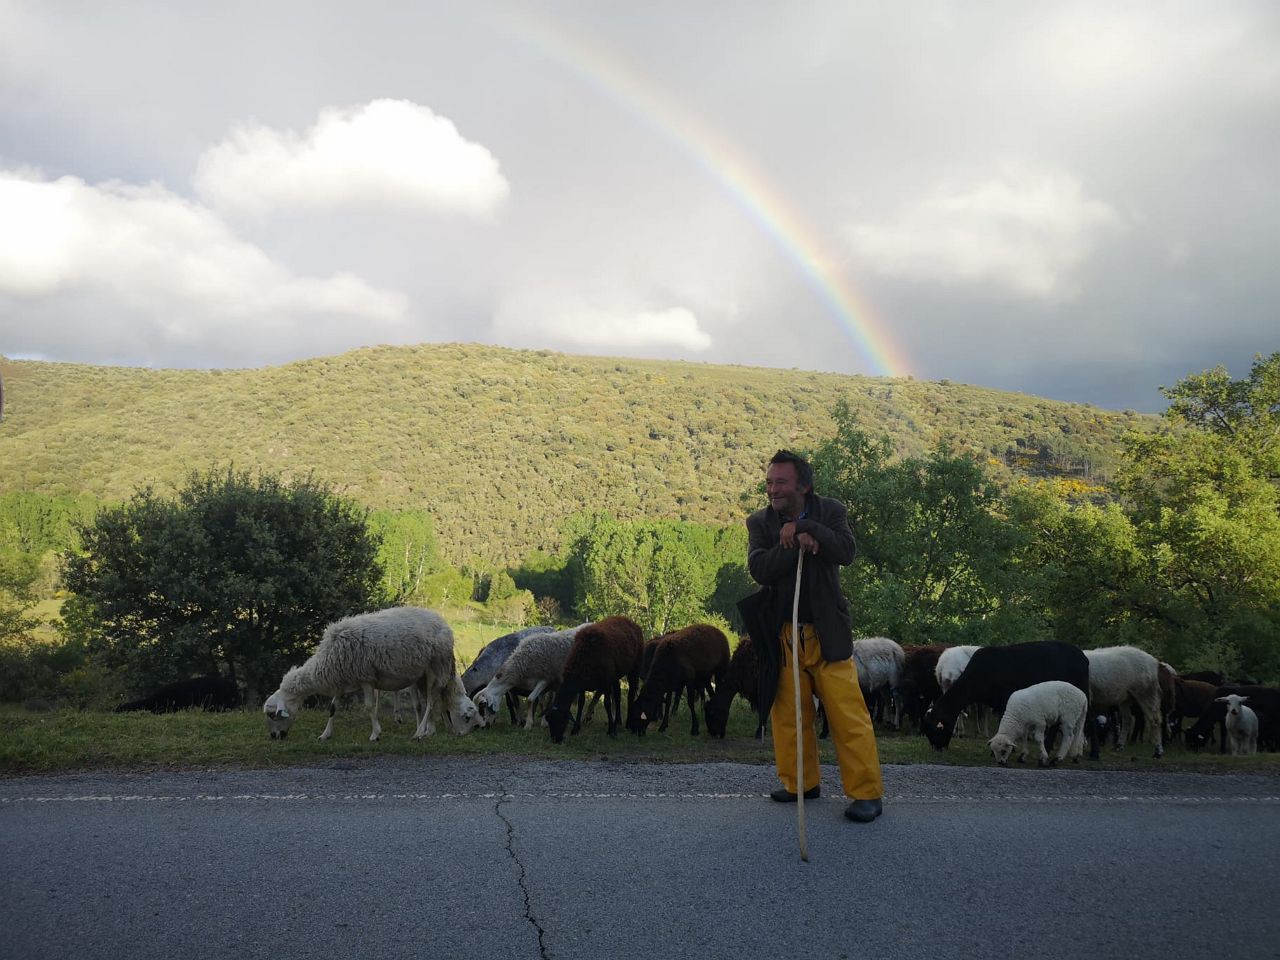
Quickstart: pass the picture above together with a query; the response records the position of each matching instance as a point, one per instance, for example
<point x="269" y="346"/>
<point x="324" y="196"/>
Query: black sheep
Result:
<point x="207" y="693"/>
<point x="993" y="673"/>
<point x="742" y="679"/>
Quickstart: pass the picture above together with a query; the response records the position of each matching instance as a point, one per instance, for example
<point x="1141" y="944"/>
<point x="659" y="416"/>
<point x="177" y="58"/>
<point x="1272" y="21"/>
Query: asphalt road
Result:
<point x="505" y="858"/>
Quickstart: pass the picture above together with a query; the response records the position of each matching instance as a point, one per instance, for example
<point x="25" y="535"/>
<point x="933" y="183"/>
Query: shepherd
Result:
<point x="797" y="519"/>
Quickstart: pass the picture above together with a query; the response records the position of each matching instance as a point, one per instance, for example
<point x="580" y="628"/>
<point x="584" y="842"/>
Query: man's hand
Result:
<point x="789" y="539"/>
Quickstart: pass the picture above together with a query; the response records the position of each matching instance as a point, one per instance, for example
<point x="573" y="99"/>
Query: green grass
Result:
<point x="90" y="740"/>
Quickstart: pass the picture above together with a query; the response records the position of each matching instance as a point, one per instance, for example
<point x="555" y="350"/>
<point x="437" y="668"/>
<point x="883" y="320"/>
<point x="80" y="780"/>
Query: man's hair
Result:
<point x="804" y="472"/>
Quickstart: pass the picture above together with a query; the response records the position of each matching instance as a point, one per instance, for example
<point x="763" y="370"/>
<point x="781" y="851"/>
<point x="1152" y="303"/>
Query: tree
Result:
<point x="935" y="555"/>
<point x="1204" y="495"/>
<point x="237" y="573"/>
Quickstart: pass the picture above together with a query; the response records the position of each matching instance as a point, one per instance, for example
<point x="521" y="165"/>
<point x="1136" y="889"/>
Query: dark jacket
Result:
<point x="772" y="565"/>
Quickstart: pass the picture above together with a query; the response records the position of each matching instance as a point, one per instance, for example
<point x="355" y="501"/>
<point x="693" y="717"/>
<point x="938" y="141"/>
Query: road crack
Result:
<point x="522" y="879"/>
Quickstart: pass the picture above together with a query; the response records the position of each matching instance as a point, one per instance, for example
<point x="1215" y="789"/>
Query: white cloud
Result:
<point x="389" y="152"/>
<point x="170" y="270"/>
<point x="568" y="320"/>
<point x="1023" y="230"/>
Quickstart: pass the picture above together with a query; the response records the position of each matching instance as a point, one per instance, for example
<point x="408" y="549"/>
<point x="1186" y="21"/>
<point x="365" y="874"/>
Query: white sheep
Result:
<point x="1031" y="710"/>
<point x="386" y="650"/>
<point x="951" y="663"/>
<point x="536" y="665"/>
<point x="880" y="663"/>
<point x="1118" y="675"/>
<point x="1242" y="725"/>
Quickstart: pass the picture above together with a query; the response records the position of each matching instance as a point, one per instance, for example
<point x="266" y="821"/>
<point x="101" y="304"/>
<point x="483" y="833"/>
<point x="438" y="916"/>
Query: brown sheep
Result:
<point x="687" y="659"/>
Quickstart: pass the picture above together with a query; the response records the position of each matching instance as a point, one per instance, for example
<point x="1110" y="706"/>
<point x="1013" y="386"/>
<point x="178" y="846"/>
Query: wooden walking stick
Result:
<point x="795" y="681"/>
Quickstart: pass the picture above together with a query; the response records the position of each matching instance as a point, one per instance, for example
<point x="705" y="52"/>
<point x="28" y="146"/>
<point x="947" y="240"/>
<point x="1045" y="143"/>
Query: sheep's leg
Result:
<point x="512" y="704"/>
<point x="426" y="726"/>
<point x="613" y="707"/>
<point x="577" y="723"/>
<point x="1151" y="711"/>
<point x="1037" y="734"/>
<point x="534" y="694"/>
<point x="327" y="732"/>
<point x="693" y="710"/>
<point x="371" y="697"/>
<point x="591" y="708"/>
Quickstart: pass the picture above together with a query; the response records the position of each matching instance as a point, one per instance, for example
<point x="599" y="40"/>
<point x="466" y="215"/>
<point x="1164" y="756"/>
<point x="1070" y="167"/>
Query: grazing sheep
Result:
<point x="742" y="679"/>
<point x="687" y="659"/>
<point x="1033" y="710"/>
<point x="207" y="693"/>
<point x="385" y="650"/>
<point x="880" y="662"/>
<point x="601" y="655"/>
<point x="994" y="673"/>
<point x="951" y="663"/>
<point x="493" y="655"/>
<point x="536" y="665"/>
<point x="1191" y="698"/>
<point x="1242" y="725"/>
<point x="919" y="687"/>
<point x="1116" y="676"/>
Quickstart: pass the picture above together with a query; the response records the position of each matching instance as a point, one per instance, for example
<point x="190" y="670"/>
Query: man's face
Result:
<point x="782" y="485"/>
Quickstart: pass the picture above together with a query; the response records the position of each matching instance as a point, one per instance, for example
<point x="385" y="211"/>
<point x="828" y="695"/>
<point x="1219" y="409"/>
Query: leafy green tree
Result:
<point x="935" y="558"/>
<point x="238" y="572"/>
<point x="1204" y="495"/>
<point x="408" y="552"/>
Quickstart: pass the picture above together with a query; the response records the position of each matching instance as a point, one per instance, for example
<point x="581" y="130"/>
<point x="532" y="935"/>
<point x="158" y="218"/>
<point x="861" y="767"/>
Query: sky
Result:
<point x="1074" y="200"/>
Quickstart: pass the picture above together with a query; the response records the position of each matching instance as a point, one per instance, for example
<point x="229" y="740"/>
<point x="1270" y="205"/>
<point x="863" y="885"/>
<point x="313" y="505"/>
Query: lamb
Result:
<point x="741" y="679"/>
<point x="1242" y="725"/>
<point x="683" y="659"/>
<point x="994" y="673"/>
<point x="601" y="655"/>
<point x="880" y="662"/>
<point x="385" y="650"/>
<point x="492" y="656"/>
<point x="1263" y="701"/>
<point x="207" y="693"/>
<point x="1118" y="675"/>
<point x="1033" y="710"/>
<point x="536" y="665"/>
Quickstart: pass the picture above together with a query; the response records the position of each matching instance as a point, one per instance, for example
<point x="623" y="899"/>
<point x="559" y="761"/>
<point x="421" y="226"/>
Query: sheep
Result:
<point x="879" y="661"/>
<point x="207" y="693"/>
<point x="741" y="679"/>
<point x="683" y="659"/>
<point x="1116" y="675"/>
<point x="951" y="663"/>
<point x="919" y="686"/>
<point x="385" y="650"/>
<point x="493" y="655"/>
<point x="1263" y="701"/>
<point x="1242" y="725"/>
<point x="536" y="665"/>
<point x="994" y="673"/>
<point x="1191" y="698"/>
<point x="601" y="655"/>
<point x="1033" y="710"/>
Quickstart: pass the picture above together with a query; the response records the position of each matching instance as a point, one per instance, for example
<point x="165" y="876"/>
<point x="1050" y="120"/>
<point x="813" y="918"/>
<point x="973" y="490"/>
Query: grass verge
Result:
<point x="71" y="740"/>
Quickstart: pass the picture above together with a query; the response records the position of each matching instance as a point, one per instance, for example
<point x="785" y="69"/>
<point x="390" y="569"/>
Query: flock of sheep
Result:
<point x="1040" y="690"/>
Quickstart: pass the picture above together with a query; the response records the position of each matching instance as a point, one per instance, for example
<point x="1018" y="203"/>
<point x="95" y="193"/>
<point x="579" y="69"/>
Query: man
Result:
<point x="798" y="519"/>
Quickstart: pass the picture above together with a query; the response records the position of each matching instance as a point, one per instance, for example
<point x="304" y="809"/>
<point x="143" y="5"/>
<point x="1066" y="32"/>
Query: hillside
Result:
<point x="500" y="445"/>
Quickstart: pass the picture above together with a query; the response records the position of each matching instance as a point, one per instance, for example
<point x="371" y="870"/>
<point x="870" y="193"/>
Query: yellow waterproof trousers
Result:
<point x="851" y="732"/>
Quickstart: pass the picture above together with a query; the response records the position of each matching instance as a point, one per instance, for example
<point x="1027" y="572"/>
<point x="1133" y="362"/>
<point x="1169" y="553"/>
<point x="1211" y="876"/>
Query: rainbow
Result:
<point x="726" y="166"/>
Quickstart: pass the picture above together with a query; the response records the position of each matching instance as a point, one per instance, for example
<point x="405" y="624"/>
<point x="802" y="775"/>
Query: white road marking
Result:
<point x="910" y="798"/>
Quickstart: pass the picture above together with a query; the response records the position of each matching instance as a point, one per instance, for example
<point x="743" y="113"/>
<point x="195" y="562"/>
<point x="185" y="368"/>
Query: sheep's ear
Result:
<point x="940" y="725"/>
<point x="283" y="713"/>
<point x="1219" y="699"/>
<point x="1243" y="699"/>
